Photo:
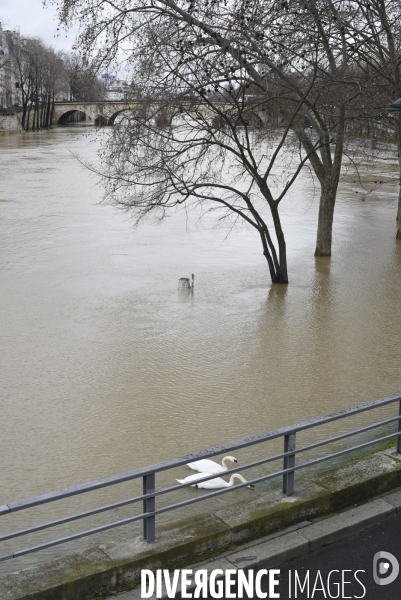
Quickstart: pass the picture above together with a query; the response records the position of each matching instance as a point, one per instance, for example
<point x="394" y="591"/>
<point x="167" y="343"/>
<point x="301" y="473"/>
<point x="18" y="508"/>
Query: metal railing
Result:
<point x="148" y="474"/>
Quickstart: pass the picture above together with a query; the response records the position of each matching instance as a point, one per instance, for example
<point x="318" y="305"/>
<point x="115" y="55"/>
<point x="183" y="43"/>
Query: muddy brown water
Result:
<point x="106" y="366"/>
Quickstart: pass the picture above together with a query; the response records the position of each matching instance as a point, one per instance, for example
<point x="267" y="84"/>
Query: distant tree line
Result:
<point x="43" y="74"/>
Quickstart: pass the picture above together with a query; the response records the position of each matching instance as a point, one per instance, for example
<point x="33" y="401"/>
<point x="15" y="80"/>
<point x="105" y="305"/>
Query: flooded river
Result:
<point x="106" y="366"/>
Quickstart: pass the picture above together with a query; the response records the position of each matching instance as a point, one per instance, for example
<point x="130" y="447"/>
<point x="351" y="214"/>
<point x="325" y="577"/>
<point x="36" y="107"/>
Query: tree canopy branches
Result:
<point x="302" y="68"/>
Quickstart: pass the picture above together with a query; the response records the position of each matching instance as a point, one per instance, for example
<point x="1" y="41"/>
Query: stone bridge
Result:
<point x="105" y="113"/>
<point x="101" y="113"/>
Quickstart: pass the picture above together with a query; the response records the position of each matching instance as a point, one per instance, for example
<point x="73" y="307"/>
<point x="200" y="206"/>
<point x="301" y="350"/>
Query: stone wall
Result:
<point x="9" y="122"/>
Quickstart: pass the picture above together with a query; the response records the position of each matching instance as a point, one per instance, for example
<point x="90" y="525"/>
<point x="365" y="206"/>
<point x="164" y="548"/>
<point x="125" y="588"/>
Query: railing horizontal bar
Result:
<point x="105" y="508"/>
<point x="341" y="452"/>
<point x="263" y="461"/>
<point x="273" y="475"/>
<point x="119" y="523"/>
<point x="88" y="513"/>
<point x="109" y="507"/>
<point x="130" y="500"/>
<point x="343" y="436"/>
<point x="272" y="458"/>
<point x="266" y="460"/>
<point x="75" y="536"/>
<point x="194" y="500"/>
<point x="6" y="557"/>
<point x="177" y="462"/>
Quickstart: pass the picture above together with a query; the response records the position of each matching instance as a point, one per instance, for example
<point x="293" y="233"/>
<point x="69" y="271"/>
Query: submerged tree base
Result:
<point x="319" y="252"/>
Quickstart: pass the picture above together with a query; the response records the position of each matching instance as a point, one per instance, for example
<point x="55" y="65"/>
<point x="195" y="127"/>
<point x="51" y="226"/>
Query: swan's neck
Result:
<point x="236" y="476"/>
<point x="223" y="462"/>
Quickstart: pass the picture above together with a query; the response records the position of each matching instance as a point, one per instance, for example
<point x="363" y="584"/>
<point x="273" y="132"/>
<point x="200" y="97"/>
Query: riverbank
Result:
<point x="117" y="565"/>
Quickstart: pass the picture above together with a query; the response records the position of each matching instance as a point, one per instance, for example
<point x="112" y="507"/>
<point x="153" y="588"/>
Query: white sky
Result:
<point x="34" y="20"/>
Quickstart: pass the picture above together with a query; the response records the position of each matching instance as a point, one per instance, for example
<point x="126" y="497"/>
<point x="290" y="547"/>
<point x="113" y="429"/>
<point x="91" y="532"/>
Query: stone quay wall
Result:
<point x="9" y="122"/>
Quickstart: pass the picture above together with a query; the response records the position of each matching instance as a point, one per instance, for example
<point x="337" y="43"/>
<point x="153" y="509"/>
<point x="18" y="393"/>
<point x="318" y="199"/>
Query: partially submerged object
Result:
<point x="184" y="283"/>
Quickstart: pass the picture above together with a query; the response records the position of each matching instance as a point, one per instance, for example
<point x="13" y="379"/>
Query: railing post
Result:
<point x="399" y="431"/>
<point x="289" y="461"/>
<point x="149" y="504"/>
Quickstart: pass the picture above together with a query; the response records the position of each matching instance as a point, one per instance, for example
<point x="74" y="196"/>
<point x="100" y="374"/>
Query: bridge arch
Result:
<point x="162" y="118"/>
<point x="117" y="113"/>
<point x="72" y="116"/>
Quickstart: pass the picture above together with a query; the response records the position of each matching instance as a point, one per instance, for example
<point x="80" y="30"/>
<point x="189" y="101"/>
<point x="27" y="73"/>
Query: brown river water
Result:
<point x="106" y="366"/>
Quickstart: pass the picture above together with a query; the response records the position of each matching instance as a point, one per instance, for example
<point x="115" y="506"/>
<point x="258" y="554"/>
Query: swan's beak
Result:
<point x="236" y="463"/>
<point x="251" y="487"/>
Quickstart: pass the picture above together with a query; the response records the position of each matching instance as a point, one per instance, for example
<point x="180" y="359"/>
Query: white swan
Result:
<point x="210" y="466"/>
<point x="213" y="484"/>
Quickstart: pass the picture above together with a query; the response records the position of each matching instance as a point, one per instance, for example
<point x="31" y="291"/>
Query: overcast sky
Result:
<point x="34" y="20"/>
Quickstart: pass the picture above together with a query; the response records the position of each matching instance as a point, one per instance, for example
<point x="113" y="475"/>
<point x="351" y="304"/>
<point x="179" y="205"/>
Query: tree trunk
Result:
<point x="277" y="264"/>
<point x="48" y="111"/>
<point x="399" y="193"/>
<point x="398" y="234"/>
<point x="35" y="110"/>
<point x="36" y="117"/>
<point x="29" y="117"/>
<point x="328" y="191"/>
<point x="23" y="120"/>
<point x="398" y="137"/>
<point x="282" y="275"/>
<point x="325" y="220"/>
<point x="52" y="111"/>
<point x="328" y="172"/>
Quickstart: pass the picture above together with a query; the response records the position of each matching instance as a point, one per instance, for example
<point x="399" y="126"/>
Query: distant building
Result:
<point x="118" y="90"/>
<point x="10" y="92"/>
<point x="108" y="79"/>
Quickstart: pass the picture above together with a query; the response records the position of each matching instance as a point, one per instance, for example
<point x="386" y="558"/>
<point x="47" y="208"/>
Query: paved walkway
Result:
<point x="300" y="541"/>
<point x="352" y="555"/>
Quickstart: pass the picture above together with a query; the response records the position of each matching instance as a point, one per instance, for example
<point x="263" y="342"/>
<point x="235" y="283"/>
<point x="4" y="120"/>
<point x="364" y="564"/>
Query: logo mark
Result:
<point x="382" y="568"/>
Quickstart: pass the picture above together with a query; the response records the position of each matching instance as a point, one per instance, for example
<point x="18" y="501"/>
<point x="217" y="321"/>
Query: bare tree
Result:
<point x="39" y="70"/>
<point x="83" y="80"/>
<point x="169" y="50"/>
<point x="25" y="55"/>
<point x="376" y="32"/>
<point x="215" y="154"/>
<point x="295" y="41"/>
